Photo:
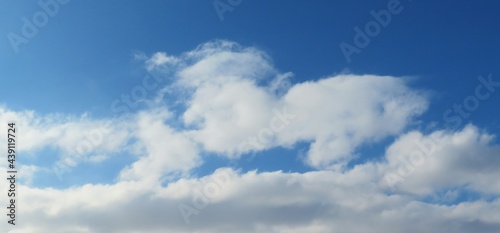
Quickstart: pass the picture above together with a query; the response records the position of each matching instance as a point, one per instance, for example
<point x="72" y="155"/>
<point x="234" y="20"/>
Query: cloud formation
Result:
<point x="234" y="101"/>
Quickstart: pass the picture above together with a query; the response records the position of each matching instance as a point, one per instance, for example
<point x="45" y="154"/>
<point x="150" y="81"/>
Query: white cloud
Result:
<point x="445" y="160"/>
<point x="29" y="171"/>
<point x="76" y="138"/>
<point x="228" y="103"/>
<point x="266" y="202"/>
<point x="236" y="96"/>
<point x="165" y="149"/>
<point x="159" y="59"/>
<point x="340" y="113"/>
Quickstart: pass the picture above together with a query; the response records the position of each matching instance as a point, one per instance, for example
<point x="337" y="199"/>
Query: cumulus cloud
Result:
<point x="425" y="164"/>
<point x="76" y="138"/>
<point x="340" y="113"/>
<point x="229" y="105"/>
<point x="319" y="201"/>
<point x="165" y="149"/>
<point x="235" y="101"/>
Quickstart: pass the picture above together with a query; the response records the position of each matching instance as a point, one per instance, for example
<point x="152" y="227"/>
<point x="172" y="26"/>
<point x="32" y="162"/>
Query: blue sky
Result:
<point x="352" y="117"/>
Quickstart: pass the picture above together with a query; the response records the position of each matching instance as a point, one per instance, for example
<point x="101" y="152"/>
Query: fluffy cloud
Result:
<point x="278" y="202"/>
<point x="165" y="149"/>
<point x="236" y="101"/>
<point x="340" y="113"/>
<point x="77" y="139"/>
<point x="425" y="164"/>
<point x="231" y="106"/>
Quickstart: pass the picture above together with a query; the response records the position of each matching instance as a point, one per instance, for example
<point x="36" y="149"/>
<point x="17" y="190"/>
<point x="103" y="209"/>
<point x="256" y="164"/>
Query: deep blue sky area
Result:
<point x="87" y="47"/>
